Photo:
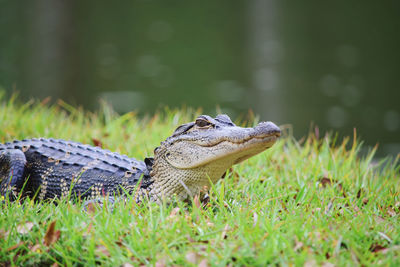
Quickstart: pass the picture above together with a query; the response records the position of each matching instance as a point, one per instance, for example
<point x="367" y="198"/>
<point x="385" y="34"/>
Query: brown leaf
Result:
<point x="325" y="181"/>
<point x="327" y="255"/>
<point x="196" y="201"/>
<point x="376" y="248"/>
<point x="365" y="200"/>
<point x="119" y="243"/>
<point x="51" y="235"/>
<point x="55" y="264"/>
<point x="24" y="228"/>
<point x="97" y="142"/>
<point x="15" y="246"/>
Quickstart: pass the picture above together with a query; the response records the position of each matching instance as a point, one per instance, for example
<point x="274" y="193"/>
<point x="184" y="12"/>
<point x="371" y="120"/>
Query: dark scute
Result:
<point x="223" y="118"/>
<point x="205" y="117"/>
<point x="183" y="128"/>
<point x="149" y="162"/>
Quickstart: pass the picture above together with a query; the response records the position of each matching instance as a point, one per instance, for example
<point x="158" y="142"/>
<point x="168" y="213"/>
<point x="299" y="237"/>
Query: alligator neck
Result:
<point x="184" y="183"/>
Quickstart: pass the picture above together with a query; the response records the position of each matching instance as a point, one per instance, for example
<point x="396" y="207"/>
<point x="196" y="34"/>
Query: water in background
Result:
<point x="331" y="64"/>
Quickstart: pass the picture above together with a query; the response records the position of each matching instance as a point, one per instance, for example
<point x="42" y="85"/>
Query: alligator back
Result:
<point x="54" y="168"/>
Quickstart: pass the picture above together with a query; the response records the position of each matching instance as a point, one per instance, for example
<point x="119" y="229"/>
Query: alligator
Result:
<point x="196" y="154"/>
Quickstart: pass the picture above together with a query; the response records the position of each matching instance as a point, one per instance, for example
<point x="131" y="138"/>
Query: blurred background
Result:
<point x="335" y="64"/>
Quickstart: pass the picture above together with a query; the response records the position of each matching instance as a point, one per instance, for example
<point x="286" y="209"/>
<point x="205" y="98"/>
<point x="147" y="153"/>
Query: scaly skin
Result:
<point x="195" y="154"/>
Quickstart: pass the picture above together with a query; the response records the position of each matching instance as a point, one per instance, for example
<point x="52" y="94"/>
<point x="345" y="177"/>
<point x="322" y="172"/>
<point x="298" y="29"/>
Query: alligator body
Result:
<point x="183" y="164"/>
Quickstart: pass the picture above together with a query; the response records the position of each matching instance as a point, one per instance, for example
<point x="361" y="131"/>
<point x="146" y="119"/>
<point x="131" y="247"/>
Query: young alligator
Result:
<point x="183" y="164"/>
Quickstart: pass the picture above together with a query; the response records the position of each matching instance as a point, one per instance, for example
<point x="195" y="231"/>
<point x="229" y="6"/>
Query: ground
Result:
<point x="310" y="202"/>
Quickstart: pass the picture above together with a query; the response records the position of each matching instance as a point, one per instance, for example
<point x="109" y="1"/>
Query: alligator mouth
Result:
<point x="258" y="139"/>
<point x="261" y="143"/>
<point x="236" y="151"/>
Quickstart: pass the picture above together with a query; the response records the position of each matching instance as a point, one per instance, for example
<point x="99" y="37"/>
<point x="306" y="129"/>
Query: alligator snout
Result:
<point x="268" y="128"/>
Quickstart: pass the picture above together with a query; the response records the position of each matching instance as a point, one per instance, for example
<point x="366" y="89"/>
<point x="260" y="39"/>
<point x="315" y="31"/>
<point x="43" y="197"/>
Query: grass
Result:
<point x="312" y="202"/>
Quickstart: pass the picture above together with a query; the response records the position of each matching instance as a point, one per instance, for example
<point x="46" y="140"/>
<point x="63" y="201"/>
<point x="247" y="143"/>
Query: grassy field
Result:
<point x="309" y="202"/>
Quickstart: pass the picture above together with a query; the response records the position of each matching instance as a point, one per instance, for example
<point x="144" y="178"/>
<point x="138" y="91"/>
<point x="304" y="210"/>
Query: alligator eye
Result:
<point x="202" y="122"/>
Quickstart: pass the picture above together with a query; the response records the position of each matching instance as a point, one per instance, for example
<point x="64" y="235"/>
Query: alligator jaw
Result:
<point x="266" y="142"/>
<point x="234" y="152"/>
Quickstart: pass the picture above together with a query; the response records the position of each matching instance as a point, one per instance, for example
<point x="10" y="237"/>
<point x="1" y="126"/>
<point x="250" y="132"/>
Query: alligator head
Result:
<point x="201" y="151"/>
